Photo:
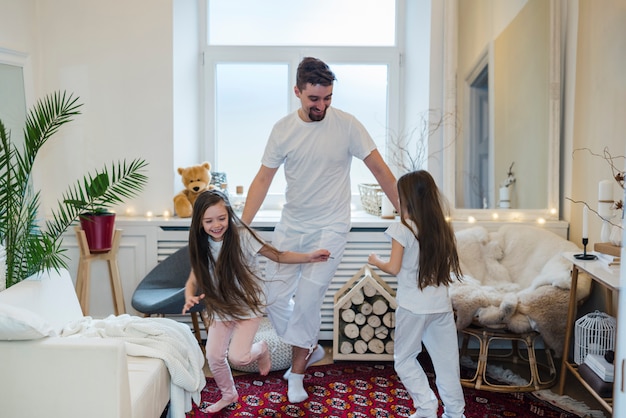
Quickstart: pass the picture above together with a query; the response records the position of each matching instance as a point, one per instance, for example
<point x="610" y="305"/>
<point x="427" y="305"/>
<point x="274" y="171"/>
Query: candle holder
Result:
<point x="584" y="255"/>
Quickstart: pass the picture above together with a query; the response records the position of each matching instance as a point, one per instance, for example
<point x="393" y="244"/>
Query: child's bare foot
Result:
<point x="265" y="360"/>
<point x="222" y="403"/>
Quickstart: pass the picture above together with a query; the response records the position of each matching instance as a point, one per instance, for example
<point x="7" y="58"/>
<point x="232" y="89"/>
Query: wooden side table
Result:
<point x="608" y="278"/>
<point x="83" y="277"/>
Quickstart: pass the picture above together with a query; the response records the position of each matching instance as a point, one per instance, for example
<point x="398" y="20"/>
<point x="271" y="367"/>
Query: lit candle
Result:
<point x="585" y="221"/>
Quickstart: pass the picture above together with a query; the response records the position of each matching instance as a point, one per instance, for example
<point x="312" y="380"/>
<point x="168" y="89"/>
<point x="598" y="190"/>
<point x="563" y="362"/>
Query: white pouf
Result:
<point x="280" y="351"/>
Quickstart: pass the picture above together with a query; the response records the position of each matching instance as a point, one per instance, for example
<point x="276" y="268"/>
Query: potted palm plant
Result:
<point x="93" y="198"/>
<point x="31" y="247"/>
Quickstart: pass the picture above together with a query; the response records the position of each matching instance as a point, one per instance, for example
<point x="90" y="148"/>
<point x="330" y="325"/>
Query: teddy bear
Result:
<point x="196" y="180"/>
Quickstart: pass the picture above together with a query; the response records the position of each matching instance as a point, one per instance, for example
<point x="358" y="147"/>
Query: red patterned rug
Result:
<point x="359" y="389"/>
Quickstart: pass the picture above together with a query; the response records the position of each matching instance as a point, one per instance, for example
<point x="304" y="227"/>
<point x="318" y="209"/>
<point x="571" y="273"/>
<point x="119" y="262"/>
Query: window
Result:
<point x="251" y="54"/>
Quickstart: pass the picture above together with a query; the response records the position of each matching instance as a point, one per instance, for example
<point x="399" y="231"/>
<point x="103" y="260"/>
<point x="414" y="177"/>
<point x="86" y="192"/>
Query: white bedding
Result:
<point x="162" y="338"/>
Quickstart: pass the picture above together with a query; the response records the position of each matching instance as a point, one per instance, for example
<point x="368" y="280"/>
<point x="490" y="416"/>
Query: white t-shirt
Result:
<point x="317" y="158"/>
<point x="431" y="299"/>
<point x="250" y="248"/>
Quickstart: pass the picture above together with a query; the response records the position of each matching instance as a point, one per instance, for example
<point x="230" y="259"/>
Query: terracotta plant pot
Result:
<point x="98" y="230"/>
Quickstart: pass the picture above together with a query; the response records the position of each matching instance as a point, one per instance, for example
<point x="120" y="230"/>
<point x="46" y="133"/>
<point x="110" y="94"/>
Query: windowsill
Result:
<point x="263" y="219"/>
<point x="360" y="219"/>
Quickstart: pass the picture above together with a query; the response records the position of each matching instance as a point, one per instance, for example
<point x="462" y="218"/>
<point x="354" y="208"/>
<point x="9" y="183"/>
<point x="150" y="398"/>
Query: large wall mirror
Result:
<point x="14" y="90"/>
<point x="503" y="83"/>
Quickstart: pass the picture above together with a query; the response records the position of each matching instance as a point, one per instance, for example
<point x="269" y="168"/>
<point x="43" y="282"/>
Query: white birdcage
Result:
<point x="594" y="333"/>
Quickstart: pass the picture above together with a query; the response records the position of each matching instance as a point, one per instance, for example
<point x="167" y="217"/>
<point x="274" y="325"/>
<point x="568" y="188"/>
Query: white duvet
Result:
<point x="162" y="338"/>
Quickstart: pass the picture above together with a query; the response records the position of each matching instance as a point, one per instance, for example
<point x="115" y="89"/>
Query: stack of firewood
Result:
<point x="364" y="318"/>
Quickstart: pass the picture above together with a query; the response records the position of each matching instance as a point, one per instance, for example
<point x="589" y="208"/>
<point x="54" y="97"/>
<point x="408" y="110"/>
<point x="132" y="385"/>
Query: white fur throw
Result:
<point x="515" y="278"/>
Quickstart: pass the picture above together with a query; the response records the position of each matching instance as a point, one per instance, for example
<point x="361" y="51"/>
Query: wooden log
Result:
<point x="389" y="319"/>
<point x="346" y="347"/>
<point x="360" y="319"/>
<point x="360" y="347"/>
<point x="347" y="305"/>
<point x="376" y="346"/>
<point x="366" y="333"/>
<point x="348" y="315"/>
<point x="381" y="332"/>
<point x="374" y="321"/>
<point x="380" y="306"/>
<point x="369" y="290"/>
<point x="351" y="331"/>
<point x="358" y="297"/>
<point x="389" y="347"/>
<point x="366" y="308"/>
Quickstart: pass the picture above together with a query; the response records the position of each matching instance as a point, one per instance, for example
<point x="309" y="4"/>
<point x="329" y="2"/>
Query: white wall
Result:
<point x="597" y="104"/>
<point x="117" y="57"/>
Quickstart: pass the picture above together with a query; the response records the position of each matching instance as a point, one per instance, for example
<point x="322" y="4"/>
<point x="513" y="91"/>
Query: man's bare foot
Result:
<point x="265" y="360"/>
<point x="222" y="403"/>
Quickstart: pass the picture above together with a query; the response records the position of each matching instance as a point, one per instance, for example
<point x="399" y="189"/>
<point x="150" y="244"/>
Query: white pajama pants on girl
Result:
<point x="231" y="340"/>
<point x="439" y="335"/>
<point x="295" y="292"/>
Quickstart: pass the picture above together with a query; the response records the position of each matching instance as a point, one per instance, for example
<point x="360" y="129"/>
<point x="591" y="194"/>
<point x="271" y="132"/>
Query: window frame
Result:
<point x="212" y="55"/>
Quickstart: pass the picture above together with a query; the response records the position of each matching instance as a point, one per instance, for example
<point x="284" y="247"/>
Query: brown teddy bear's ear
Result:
<point x="180" y="170"/>
<point x="206" y="165"/>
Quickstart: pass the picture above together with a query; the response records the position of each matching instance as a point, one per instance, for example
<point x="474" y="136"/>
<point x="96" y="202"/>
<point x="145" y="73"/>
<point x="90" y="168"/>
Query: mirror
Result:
<point x="503" y="81"/>
<point x="13" y="89"/>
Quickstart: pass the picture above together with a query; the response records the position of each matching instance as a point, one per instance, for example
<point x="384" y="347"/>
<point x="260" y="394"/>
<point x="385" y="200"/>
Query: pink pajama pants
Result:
<point x="231" y="340"/>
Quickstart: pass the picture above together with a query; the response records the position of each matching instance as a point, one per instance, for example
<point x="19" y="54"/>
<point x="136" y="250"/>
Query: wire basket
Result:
<point x="371" y="198"/>
<point x="594" y="333"/>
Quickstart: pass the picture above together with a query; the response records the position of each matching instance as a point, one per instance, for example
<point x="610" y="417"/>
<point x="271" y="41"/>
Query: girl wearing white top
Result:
<point x="425" y="261"/>
<point x="223" y="276"/>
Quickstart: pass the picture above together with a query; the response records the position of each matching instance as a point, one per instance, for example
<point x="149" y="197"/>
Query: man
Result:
<point x="316" y="144"/>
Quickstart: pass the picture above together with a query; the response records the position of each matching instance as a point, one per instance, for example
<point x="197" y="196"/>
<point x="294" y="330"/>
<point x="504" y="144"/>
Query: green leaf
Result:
<point x="29" y="248"/>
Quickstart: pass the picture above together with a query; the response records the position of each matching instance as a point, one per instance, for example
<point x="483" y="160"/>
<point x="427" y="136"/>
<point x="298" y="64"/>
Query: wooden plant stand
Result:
<point x="83" y="277"/>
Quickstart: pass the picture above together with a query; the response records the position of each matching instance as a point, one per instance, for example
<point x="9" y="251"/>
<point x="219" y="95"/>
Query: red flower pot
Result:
<point x="98" y="230"/>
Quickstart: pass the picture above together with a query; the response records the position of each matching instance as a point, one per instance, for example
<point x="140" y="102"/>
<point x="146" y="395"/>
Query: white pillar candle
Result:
<point x="505" y="198"/>
<point x="585" y="221"/>
<point x="387" y="209"/>
<point x="605" y="198"/>
<point x="605" y="190"/>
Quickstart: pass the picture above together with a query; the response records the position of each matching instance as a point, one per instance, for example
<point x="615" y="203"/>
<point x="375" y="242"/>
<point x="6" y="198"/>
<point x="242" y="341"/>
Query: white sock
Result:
<point x="316" y="356"/>
<point x="295" y="391"/>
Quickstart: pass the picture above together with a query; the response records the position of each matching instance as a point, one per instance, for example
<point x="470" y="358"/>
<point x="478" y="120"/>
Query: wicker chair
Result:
<point x="515" y="292"/>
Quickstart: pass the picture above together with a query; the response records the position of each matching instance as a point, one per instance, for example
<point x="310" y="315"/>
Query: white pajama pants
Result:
<point x="439" y="335"/>
<point x="295" y="292"/>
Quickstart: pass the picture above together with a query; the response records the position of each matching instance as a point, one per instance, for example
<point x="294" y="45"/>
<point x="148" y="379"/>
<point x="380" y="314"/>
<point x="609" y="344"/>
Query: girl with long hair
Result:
<point x="425" y="261"/>
<point x="224" y="277"/>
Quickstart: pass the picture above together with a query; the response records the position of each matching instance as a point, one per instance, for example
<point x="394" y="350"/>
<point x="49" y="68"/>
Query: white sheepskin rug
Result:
<point x="516" y="278"/>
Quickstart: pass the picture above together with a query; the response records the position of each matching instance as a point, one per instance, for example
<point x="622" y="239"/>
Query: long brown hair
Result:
<point x="421" y="202"/>
<point x="230" y="285"/>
